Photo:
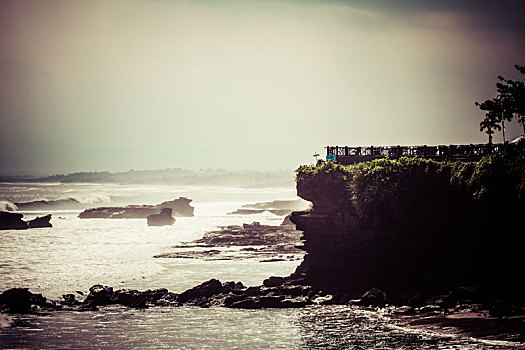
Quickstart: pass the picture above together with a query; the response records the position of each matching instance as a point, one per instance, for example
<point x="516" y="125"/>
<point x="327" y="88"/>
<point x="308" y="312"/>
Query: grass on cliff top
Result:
<point x="493" y="177"/>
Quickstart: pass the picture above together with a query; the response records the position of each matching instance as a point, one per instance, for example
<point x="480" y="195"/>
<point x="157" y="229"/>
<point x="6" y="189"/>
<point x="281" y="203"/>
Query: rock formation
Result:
<point x="13" y="221"/>
<point x="42" y="221"/>
<point x="179" y="207"/>
<point x="162" y="219"/>
<point x="429" y="237"/>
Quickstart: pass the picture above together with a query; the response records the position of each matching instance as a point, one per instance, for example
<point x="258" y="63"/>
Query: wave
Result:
<point x="74" y="202"/>
<point x="7" y="206"/>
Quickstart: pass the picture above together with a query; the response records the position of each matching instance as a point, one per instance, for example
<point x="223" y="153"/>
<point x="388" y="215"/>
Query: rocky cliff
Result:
<point x="412" y="226"/>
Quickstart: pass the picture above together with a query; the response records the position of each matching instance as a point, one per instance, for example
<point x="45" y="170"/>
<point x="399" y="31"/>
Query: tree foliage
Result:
<point x="507" y="105"/>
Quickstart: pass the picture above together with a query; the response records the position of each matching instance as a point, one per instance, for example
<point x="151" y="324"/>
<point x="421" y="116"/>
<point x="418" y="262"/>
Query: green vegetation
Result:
<point x="386" y="187"/>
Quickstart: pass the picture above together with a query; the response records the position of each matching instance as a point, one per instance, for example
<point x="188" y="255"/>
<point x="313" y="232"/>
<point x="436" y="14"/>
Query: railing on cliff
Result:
<point x="349" y="155"/>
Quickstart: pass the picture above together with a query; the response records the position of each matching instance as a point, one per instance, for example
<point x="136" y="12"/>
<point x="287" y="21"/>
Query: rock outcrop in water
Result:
<point x="277" y="207"/>
<point x="179" y="207"/>
<point x="14" y="221"/>
<point x="250" y="241"/>
<point x="162" y="219"/>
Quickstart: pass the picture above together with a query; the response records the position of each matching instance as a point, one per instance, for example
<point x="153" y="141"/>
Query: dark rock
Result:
<point x="169" y="299"/>
<point x="501" y="308"/>
<point x="249" y="303"/>
<point x="69" y="300"/>
<point x="233" y="287"/>
<point x="100" y="295"/>
<point x="162" y="219"/>
<point x="232" y="298"/>
<point x="21" y="300"/>
<point x="274" y="281"/>
<point x="430" y="309"/>
<point x="42" y="221"/>
<point x="287" y="221"/>
<point x="444" y="301"/>
<point x="403" y="310"/>
<point x="253" y="291"/>
<point x="417" y="300"/>
<point x="295" y="302"/>
<point x="12" y="221"/>
<point x="374" y="297"/>
<point x="206" y="289"/>
<point x="131" y="298"/>
<point x="179" y="207"/>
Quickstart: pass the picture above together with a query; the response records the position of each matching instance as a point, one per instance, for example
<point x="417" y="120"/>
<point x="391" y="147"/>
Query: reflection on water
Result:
<point x="320" y="327"/>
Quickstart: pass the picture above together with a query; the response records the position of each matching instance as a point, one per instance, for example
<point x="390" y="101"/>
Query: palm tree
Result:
<point x="489" y="124"/>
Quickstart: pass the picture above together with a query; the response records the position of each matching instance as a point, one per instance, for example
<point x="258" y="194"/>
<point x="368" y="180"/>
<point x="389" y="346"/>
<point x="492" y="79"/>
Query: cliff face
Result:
<point x="425" y="235"/>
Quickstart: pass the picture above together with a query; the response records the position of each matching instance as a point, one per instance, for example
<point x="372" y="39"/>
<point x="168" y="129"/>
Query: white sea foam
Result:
<point x="7" y="206"/>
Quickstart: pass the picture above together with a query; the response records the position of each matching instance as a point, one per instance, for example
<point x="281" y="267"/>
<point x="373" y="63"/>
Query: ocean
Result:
<point x="76" y="253"/>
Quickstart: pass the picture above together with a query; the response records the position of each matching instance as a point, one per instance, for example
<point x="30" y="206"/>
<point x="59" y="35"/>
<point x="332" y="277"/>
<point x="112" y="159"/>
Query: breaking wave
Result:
<point x="7" y="206"/>
<point x="73" y="202"/>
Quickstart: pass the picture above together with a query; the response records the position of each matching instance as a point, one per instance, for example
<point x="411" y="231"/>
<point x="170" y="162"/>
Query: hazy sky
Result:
<point x="114" y="85"/>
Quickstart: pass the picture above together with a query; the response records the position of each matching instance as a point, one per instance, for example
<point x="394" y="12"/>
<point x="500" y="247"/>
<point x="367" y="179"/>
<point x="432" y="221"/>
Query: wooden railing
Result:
<point x="354" y="154"/>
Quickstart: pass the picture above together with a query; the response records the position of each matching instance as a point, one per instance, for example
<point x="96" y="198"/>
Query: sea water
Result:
<point x="76" y="253"/>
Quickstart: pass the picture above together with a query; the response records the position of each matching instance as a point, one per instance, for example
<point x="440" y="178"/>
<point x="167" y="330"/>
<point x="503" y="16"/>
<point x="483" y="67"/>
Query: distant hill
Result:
<point x="174" y="176"/>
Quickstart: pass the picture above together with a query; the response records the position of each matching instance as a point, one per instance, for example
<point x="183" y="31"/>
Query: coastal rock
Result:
<point x="21" y="300"/>
<point x="13" y="221"/>
<point x="274" y="281"/>
<point x="42" y="221"/>
<point x="100" y="295"/>
<point x="206" y="290"/>
<point x="277" y="207"/>
<point x="249" y="241"/>
<point x="374" y="297"/>
<point x="179" y="207"/>
<point x="162" y="219"/>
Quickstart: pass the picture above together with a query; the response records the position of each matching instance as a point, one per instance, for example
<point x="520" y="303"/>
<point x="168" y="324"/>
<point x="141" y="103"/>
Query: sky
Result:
<point x="118" y="85"/>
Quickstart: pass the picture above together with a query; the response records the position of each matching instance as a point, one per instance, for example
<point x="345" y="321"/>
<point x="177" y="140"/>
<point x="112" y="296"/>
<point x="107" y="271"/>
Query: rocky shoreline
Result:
<point x="489" y="319"/>
<point x="249" y="241"/>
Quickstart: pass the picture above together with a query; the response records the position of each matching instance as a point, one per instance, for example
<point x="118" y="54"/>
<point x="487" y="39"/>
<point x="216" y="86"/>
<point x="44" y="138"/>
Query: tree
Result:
<point x="514" y="92"/>
<point x="489" y="124"/>
<point x="509" y="103"/>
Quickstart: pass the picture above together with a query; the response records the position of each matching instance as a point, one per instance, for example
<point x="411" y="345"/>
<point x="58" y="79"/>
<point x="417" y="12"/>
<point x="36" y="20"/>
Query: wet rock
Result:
<point x="374" y="297"/>
<point x="287" y="221"/>
<point x="179" y="207"/>
<point x="274" y="281"/>
<point x="162" y="219"/>
<point x="323" y="300"/>
<point x="131" y="298"/>
<point x="69" y="300"/>
<point x="502" y="308"/>
<point x="169" y="299"/>
<point x="206" y="289"/>
<point x="21" y="300"/>
<point x="429" y="309"/>
<point x="100" y="295"/>
<point x="233" y="287"/>
<point x="253" y="291"/>
<point x="232" y="298"/>
<point x="42" y="221"/>
<point x="403" y="310"/>
<point x="12" y="221"/>
<point x="249" y="303"/>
